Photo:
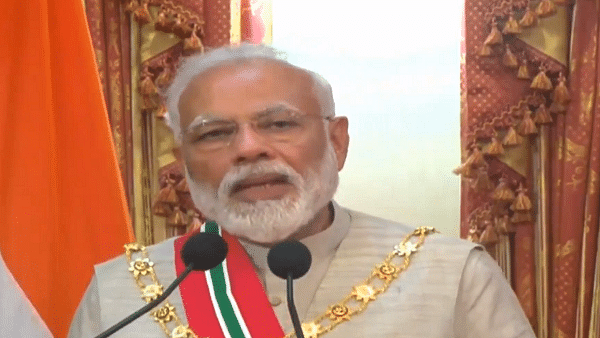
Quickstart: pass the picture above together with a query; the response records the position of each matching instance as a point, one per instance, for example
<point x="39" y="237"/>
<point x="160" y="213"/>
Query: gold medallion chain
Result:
<point x="142" y="269"/>
<point x="353" y="304"/>
<point x="377" y="283"/>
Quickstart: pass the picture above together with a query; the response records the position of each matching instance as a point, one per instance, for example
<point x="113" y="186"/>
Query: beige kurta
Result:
<point x="451" y="289"/>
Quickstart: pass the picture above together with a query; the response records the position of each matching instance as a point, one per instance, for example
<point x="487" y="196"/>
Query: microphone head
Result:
<point x="289" y="257"/>
<point x="204" y="251"/>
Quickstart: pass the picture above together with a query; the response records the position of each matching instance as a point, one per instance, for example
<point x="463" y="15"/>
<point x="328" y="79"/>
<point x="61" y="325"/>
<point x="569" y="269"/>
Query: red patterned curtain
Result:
<point x="530" y="123"/>
<point x="156" y="34"/>
<point x="110" y="31"/>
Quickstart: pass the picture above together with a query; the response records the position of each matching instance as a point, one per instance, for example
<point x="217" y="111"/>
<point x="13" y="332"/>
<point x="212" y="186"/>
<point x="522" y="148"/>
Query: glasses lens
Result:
<point x="212" y="135"/>
<point x="283" y="125"/>
<point x="279" y="126"/>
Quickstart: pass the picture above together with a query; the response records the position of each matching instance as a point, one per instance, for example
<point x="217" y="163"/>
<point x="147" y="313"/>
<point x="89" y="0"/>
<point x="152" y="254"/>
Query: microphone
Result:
<point x="202" y="251"/>
<point x="290" y="260"/>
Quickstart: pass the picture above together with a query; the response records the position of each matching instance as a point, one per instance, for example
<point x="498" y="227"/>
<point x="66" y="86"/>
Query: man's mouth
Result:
<point x="262" y="187"/>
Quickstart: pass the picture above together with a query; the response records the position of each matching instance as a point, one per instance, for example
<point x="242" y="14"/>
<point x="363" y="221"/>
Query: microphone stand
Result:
<point x="148" y="306"/>
<point x="292" y="307"/>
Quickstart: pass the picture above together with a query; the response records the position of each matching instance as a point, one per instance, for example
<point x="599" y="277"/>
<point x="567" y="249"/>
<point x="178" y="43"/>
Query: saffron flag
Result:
<point x="62" y="206"/>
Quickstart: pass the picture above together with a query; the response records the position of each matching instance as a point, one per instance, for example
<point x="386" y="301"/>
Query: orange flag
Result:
<point x="62" y="207"/>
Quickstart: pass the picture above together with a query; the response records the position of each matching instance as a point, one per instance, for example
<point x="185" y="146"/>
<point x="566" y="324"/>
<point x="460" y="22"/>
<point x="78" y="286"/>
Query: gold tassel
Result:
<point x="182" y="186"/>
<point x="495" y="37"/>
<point x="527" y="126"/>
<point x="541" y="81"/>
<point x="131" y="6"/>
<point x="512" y="138"/>
<point x="488" y="235"/>
<point x="511" y="26"/>
<point x="163" y="22"/>
<point x="521" y="216"/>
<point x="557" y="108"/>
<point x="161" y="112"/>
<point x="161" y="209"/>
<point x="495" y="148"/>
<point x="521" y="206"/>
<point x="473" y="235"/>
<point x="482" y="181"/>
<point x="503" y="192"/>
<point x="147" y="86"/>
<point x="193" y="44"/>
<point x="195" y="223"/>
<point x="476" y="159"/>
<point x="509" y="59"/>
<point x="503" y="225"/>
<point x="465" y="170"/>
<point x="523" y="72"/>
<point x="142" y="14"/>
<point x="529" y="19"/>
<point x="485" y="50"/>
<point x="545" y="8"/>
<point x="181" y="28"/>
<point x="561" y="93"/>
<point x="168" y="194"/>
<point x="177" y="218"/>
<point x="542" y="115"/>
<point x="164" y="78"/>
<point x="522" y="202"/>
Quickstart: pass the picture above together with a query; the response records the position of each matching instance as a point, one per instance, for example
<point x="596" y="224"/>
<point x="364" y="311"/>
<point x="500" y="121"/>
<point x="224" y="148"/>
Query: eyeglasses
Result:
<point x="281" y="125"/>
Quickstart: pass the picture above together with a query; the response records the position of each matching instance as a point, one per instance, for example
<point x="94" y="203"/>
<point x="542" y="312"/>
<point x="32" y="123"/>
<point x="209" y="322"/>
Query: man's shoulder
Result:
<point x="118" y="267"/>
<point x="386" y="233"/>
<point x="397" y="231"/>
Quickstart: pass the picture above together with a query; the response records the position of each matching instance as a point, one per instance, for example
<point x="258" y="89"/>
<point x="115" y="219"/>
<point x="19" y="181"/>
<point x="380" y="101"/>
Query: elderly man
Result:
<point x="262" y="148"/>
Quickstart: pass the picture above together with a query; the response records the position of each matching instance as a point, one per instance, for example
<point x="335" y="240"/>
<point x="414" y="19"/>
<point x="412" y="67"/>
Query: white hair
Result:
<point x="268" y="221"/>
<point x="198" y="64"/>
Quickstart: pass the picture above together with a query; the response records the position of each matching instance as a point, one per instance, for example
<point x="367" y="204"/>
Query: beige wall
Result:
<point x="395" y="74"/>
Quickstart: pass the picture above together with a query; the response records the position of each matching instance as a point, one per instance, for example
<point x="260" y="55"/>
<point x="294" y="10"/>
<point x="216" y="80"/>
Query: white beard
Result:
<point x="268" y="221"/>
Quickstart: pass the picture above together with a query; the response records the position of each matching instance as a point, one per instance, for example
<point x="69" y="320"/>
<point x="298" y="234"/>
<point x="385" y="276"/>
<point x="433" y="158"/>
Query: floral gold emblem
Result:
<point x="423" y="231"/>
<point x="183" y="332"/>
<point x="132" y="247"/>
<point x="165" y="314"/>
<point x="405" y="249"/>
<point x="363" y="293"/>
<point x="339" y="312"/>
<point x="151" y="292"/>
<point x="311" y="330"/>
<point x="141" y="267"/>
<point x="386" y="271"/>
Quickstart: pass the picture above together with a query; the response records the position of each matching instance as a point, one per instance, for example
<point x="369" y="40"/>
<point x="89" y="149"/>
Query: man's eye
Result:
<point x="280" y="125"/>
<point x="213" y="135"/>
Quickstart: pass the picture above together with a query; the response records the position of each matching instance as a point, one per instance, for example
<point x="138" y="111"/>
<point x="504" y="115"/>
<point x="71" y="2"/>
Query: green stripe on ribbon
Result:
<point x="220" y="289"/>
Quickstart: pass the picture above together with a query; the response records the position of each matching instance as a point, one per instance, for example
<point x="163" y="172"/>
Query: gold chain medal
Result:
<point x="356" y="302"/>
<point x="142" y="270"/>
<point x="377" y="283"/>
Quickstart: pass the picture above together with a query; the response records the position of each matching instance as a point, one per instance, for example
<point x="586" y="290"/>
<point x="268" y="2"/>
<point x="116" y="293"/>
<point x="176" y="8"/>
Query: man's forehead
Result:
<point x="249" y="69"/>
<point x="284" y="81"/>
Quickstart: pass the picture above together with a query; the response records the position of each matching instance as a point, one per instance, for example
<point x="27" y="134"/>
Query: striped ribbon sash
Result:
<point x="227" y="301"/>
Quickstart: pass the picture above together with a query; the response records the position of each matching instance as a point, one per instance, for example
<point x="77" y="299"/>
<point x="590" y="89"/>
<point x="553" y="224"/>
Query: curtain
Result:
<point x="138" y="46"/>
<point x="530" y="134"/>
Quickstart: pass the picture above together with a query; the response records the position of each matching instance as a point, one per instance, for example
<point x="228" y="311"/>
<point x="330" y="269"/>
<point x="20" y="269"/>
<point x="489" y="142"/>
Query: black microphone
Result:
<point x="290" y="260"/>
<point x="202" y="251"/>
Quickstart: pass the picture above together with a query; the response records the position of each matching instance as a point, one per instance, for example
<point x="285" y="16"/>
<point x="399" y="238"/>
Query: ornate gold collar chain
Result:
<point x="353" y="304"/>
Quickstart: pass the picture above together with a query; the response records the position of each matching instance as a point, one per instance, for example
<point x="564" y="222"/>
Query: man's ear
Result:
<point x="338" y="134"/>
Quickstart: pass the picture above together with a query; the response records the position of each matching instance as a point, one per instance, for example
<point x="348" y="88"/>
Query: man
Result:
<point x="262" y="149"/>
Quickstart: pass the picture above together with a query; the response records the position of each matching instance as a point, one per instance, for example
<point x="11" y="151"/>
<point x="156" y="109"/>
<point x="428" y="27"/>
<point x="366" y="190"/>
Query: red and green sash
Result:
<point x="227" y="301"/>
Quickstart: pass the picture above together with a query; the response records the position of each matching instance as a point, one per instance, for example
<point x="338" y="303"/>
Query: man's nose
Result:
<point x="250" y="146"/>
